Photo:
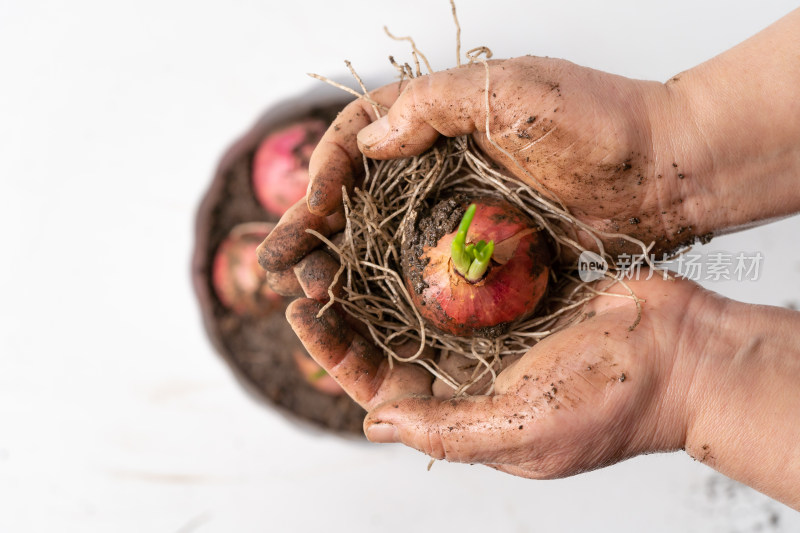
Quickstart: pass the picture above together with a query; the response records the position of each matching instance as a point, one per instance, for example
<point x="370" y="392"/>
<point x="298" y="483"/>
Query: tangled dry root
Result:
<point x="395" y="192"/>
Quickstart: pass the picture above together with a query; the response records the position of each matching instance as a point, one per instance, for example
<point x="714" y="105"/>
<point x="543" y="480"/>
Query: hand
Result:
<point x="585" y="397"/>
<point x="594" y="140"/>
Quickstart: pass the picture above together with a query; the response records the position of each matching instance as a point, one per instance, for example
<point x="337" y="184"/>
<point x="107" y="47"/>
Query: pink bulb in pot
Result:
<point x="280" y="165"/>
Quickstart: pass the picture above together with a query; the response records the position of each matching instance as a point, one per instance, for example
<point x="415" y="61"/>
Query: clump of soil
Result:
<point x="432" y="226"/>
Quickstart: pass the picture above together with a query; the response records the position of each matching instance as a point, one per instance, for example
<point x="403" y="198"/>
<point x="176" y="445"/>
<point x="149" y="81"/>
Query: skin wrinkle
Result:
<point x="567" y="408"/>
<point x="362" y="376"/>
<point x="380" y="375"/>
<point x="535" y="406"/>
<point x="437" y="452"/>
<point x="543" y="392"/>
<point x="520" y="123"/>
<point x="425" y="107"/>
<point x="580" y="374"/>
<point x="708" y="152"/>
<point x="518" y="454"/>
<point x="443" y="443"/>
<point x="652" y="384"/>
<point x="687" y="322"/>
<point x="338" y="367"/>
<point x="665" y="199"/>
<point x="352" y="158"/>
<point x="568" y="149"/>
<point x="608" y="378"/>
<point x="652" y="172"/>
<point x="359" y="349"/>
<point x="653" y="193"/>
<point x="609" y="390"/>
<point x="556" y="462"/>
<point x="529" y="473"/>
<point x="533" y="143"/>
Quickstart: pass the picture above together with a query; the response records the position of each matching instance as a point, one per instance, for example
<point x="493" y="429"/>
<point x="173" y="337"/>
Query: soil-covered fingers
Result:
<point x="315" y="274"/>
<point x="311" y="277"/>
<point x="354" y="362"/>
<point x="468" y="429"/>
<point x="289" y="242"/>
<point x="449" y="102"/>
<point x="285" y="283"/>
<point x="337" y="159"/>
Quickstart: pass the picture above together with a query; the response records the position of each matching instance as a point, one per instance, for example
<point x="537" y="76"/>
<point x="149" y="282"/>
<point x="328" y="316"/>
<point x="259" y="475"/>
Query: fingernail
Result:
<point x="382" y="433"/>
<point x="375" y="132"/>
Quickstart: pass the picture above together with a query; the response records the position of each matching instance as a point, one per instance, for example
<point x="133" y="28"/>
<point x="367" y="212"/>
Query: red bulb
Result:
<point x="510" y="290"/>
<point x="239" y="281"/>
<point x="280" y="165"/>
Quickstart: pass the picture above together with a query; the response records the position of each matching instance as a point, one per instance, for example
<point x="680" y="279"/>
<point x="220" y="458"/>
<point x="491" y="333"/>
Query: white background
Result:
<point x="116" y="414"/>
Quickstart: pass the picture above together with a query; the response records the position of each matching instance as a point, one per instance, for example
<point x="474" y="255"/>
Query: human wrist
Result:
<point x="742" y="404"/>
<point x="692" y="333"/>
<point x="680" y="167"/>
<point x="703" y="367"/>
<point x="711" y="159"/>
<point x="682" y="316"/>
<point x="732" y="128"/>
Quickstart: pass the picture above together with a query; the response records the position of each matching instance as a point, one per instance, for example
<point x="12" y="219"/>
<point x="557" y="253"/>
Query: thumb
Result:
<point x="469" y="429"/>
<point x="448" y="102"/>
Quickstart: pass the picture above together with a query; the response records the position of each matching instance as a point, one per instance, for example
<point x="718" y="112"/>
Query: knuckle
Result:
<point x="284" y="283"/>
<point x="416" y="95"/>
<point x="435" y="445"/>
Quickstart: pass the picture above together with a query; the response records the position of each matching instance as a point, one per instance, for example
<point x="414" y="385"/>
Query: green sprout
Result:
<point x="471" y="260"/>
<point x="318" y="375"/>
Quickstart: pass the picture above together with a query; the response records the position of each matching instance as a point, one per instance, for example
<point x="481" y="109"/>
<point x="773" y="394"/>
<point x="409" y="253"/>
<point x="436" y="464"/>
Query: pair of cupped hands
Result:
<point x="590" y="395"/>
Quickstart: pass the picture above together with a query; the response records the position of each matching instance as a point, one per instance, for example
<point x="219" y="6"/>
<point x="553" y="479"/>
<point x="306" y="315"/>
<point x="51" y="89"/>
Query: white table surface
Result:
<point x="115" y="412"/>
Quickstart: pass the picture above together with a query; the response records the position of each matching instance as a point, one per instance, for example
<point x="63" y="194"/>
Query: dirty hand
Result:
<point x="586" y="397"/>
<point x="584" y="136"/>
<point x="714" y="377"/>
